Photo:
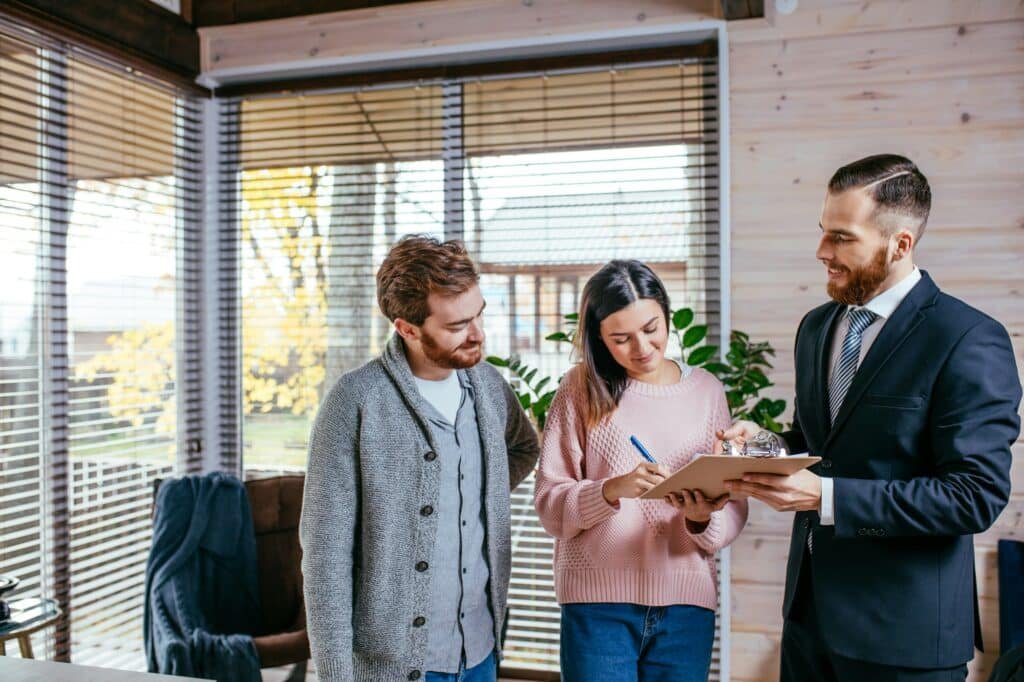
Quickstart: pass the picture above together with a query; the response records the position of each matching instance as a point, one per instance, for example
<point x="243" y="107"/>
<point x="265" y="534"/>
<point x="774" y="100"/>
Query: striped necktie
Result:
<point x="849" y="357"/>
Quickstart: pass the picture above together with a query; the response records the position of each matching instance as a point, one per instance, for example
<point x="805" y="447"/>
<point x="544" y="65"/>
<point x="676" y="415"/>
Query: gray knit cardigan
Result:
<point x="372" y="475"/>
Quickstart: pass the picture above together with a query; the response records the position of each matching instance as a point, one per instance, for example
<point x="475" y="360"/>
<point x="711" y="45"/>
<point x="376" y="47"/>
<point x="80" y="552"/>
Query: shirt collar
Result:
<point x="885" y="304"/>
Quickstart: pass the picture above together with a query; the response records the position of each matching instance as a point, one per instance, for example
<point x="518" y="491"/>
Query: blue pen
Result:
<point x="643" y="451"/>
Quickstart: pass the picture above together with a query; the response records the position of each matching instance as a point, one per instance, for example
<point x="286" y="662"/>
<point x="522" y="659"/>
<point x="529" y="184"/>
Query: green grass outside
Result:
<point x="276" y="440"/>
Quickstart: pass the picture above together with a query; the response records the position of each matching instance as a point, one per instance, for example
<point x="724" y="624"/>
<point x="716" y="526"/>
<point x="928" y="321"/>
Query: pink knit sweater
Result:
<point x="639" y="551"/>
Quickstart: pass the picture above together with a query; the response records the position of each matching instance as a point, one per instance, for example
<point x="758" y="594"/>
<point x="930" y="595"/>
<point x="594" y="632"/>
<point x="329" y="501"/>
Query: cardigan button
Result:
<point x="414" y="675"/>
<point x="422" y="566"/>
<point x="430" y="457"/>
<point x="427" y="510"/>
<point x="419" y="621"/>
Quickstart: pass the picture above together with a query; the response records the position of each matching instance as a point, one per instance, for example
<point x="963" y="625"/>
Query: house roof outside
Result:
<point x="587" y="228"/>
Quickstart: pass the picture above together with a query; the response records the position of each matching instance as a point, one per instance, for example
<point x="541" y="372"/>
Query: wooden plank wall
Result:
<point x="941" y="81"/>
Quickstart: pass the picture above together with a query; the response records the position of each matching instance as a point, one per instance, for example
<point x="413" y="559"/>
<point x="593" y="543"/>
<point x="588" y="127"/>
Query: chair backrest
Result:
<point x="276" y="505"/>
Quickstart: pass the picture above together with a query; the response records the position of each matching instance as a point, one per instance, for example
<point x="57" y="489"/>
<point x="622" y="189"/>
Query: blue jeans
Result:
<point x="633" y="643"/>
<point x="485" y="671"/>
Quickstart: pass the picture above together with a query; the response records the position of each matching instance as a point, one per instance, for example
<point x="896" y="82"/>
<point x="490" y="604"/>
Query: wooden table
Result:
<point x="28" y="615"/>
<point x="25" y="670"/>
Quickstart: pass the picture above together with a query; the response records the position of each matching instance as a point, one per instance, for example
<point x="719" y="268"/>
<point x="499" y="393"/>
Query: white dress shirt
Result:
<point x="883" y="305"/>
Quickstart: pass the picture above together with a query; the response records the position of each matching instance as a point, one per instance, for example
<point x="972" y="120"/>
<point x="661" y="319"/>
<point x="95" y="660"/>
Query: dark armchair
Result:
<point x="276" y="505"/>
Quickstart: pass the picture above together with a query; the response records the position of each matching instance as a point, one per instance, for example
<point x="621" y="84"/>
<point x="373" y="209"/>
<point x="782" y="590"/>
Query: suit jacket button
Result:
<point x="419" y="621"/>
<point x="414" y="675"/>
<point x="422" y="566"/>
<point x="430" y="457"/>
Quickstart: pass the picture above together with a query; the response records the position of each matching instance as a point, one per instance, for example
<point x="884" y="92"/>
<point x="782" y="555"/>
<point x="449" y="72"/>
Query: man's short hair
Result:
<point x="894" y="182"/>
<point x="417" y="266"/>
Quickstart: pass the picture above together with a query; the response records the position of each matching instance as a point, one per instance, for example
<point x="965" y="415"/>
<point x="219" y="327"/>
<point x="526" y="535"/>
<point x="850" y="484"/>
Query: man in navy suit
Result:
<point x="910" y="398"/>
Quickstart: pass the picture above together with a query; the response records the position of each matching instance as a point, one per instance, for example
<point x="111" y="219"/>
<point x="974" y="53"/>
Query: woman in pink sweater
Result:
<point x="635" y="578"/>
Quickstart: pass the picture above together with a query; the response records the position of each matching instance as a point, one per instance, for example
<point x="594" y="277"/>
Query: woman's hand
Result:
<point x="634" y="484"/>
<point x="695" y="507"/>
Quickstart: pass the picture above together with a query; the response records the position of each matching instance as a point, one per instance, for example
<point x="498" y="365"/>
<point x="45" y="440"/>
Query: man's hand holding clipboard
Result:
<point x="798" y="490"/>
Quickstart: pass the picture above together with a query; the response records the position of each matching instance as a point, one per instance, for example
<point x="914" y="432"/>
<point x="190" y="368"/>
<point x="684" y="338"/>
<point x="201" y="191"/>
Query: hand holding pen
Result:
<point x="635" y="483"/>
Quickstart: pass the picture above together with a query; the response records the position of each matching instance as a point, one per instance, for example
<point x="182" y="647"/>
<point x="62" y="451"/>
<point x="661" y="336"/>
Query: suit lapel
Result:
<point x="906" y="317"/>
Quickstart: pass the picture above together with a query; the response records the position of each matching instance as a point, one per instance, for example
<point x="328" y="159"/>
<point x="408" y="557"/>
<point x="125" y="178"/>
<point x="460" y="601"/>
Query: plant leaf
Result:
<point x="496" y="361"/>
<point x="701" y="355"/>
<point x="557" y="336"/>
<point x="694" y="335"/>
<point x="719" y="369"/>
<point x="758" y="377"/>
<point x="540" y="408"/>
<point x="682" y="318"/>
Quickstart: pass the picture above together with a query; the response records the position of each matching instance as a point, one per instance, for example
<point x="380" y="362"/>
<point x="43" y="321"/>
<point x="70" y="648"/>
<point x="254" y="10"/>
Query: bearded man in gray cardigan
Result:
<point x="405" y="522"/>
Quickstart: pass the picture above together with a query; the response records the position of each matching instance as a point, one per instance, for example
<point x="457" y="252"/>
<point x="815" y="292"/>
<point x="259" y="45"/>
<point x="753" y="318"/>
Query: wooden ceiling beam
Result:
<point x="410" y="34"/>
<point x="742" y="9"/>
<point x="226" y="12"/>
<point x="138" y="31"/>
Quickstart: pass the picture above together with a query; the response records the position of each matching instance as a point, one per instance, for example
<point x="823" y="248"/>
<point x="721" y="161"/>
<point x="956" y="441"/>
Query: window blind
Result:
<point x="321" y="184"/>
<point x="544" y="175"/>
<point x="99" y="330"/>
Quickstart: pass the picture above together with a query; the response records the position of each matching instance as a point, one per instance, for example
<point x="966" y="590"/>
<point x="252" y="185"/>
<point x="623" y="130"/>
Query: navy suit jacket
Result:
<point x="920" y="457"/>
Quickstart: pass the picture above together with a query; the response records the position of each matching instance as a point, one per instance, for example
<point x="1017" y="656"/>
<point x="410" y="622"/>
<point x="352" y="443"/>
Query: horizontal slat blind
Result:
<point x="320" y="188"/>
<point x="544" y="176"/>
<point x="132" y="154"/>
<point x="99" y="191"/>
<point x="23" y="354"/>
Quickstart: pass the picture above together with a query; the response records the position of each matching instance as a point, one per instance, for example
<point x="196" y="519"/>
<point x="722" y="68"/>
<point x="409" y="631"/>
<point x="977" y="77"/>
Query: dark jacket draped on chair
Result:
<point x="202" y="595"/>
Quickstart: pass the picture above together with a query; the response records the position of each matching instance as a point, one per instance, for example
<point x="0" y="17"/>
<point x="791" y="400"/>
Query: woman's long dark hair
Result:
<point x="612" y="288"/>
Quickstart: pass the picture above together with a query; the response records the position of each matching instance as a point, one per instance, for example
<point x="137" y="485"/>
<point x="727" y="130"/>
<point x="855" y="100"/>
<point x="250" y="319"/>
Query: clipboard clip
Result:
<point x="764" y="444"/>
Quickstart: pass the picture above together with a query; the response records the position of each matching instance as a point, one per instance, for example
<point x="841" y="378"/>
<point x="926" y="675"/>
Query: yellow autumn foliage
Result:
<point x="284" y="314"/>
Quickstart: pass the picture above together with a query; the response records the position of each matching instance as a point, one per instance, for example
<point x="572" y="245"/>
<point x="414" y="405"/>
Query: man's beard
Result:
<point x="863" y="282"/>
<point x="465" y="356"/>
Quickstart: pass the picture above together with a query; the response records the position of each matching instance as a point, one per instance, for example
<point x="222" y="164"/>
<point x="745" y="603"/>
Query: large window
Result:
<point x="98" y="331"/>
<point x="545" y="177"/>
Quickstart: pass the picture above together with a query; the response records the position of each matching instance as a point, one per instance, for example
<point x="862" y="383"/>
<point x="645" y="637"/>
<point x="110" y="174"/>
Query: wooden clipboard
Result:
<point x="708" y="473"/>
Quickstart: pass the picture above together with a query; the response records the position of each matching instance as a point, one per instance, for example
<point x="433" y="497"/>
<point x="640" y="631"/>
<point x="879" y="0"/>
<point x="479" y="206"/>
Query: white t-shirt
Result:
<point x="445" y="395"/>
